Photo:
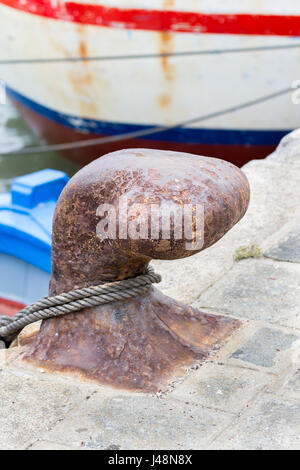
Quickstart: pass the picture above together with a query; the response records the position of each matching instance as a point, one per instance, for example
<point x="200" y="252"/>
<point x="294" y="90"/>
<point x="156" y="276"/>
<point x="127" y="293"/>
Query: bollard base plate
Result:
<point x="139" y="344"/>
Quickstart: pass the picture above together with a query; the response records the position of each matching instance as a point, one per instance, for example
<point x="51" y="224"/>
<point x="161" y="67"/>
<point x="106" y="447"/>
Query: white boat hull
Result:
<point x="111" y="97"/>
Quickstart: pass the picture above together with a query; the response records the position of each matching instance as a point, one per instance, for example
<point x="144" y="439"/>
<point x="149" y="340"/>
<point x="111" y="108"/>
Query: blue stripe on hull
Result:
<point x="186" y="135"/>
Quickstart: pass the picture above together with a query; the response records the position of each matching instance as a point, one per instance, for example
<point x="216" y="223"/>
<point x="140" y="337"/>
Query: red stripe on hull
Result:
<point x="10" y="307"/>
<point x="162" y="20"/>
<point x="54" y="133"/>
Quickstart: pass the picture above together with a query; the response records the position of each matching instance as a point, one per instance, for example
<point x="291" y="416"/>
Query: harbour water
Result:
<point x="14" y="136"/>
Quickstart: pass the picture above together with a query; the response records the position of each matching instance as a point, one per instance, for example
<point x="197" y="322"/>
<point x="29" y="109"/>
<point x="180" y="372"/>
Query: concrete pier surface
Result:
<point x="245" y="396"/>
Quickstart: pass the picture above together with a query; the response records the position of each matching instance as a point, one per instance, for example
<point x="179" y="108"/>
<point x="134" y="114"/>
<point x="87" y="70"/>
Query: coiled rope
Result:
<point x="76" y="300"/>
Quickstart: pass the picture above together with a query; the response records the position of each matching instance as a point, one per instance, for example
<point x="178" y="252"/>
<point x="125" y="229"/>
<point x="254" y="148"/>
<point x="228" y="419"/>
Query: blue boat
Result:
<point x="26" y="214"/>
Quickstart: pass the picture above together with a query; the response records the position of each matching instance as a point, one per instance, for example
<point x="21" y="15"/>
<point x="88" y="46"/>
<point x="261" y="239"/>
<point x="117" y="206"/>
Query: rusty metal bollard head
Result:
<point x="112" y="218"/>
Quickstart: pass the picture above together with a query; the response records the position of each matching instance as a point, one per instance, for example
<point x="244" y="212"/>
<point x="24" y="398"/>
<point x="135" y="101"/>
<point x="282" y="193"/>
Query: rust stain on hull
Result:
<point x="164" y="100"/>
<point x="166" y="45"/>
<point x="82" y="78"/>
<point x="168" y="4"/>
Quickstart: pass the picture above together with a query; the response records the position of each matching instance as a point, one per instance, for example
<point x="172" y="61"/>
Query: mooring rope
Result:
<point x="76" y="300"/>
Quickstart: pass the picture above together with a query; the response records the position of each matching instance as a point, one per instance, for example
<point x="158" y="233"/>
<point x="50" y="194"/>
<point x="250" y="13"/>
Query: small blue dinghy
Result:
<point x="25" y="238"/>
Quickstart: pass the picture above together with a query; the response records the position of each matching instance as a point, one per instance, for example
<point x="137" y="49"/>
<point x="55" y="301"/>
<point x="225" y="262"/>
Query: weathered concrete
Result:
<point x="30" y="405"/>
<point x="48" y="445"/>
<point x="257" y="289"/>
<point x="288" y="384"/>
<point x="245" y="397"/>
<point x="270" y="424"/>
<point x="263" y="348"/>
<point x="288" y="247"/>
<point x="221" y="387"/>
<point x="140" y="422"/>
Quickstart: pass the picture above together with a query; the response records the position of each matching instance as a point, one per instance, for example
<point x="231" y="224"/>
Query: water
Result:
<point x="15" y="135"/>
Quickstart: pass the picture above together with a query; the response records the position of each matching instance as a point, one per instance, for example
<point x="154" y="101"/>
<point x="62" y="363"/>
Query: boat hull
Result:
<point x="21" y="284"/>
<point x="10" y="307"/>
<point x="53" y="132"/>
<point x="79" y="100"/>
<point x="26" y="213"/>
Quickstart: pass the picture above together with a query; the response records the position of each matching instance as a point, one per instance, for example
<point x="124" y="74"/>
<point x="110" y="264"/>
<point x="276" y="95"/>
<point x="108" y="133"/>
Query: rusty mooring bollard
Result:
<point x="142" y="342"/>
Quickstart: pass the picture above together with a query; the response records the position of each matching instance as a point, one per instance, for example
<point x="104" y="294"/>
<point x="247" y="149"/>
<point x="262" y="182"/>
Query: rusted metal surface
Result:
<point x="143" y="342"/>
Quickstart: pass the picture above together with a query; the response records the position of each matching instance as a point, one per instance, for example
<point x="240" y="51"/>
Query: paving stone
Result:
<point x="29" y="407"/>
<point x="271" y="423"/>
<point x="223" y="387"/>
<point x="287" y="249"/>
<point x="293" y="385"/>
<point x="139" y="422"/>
<point x="257" y="289"/>
<point x="2" y="447"/>
<point x="264" y="346"/>
<point x="287" y="386"/>
<point x="2" y="357"/>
